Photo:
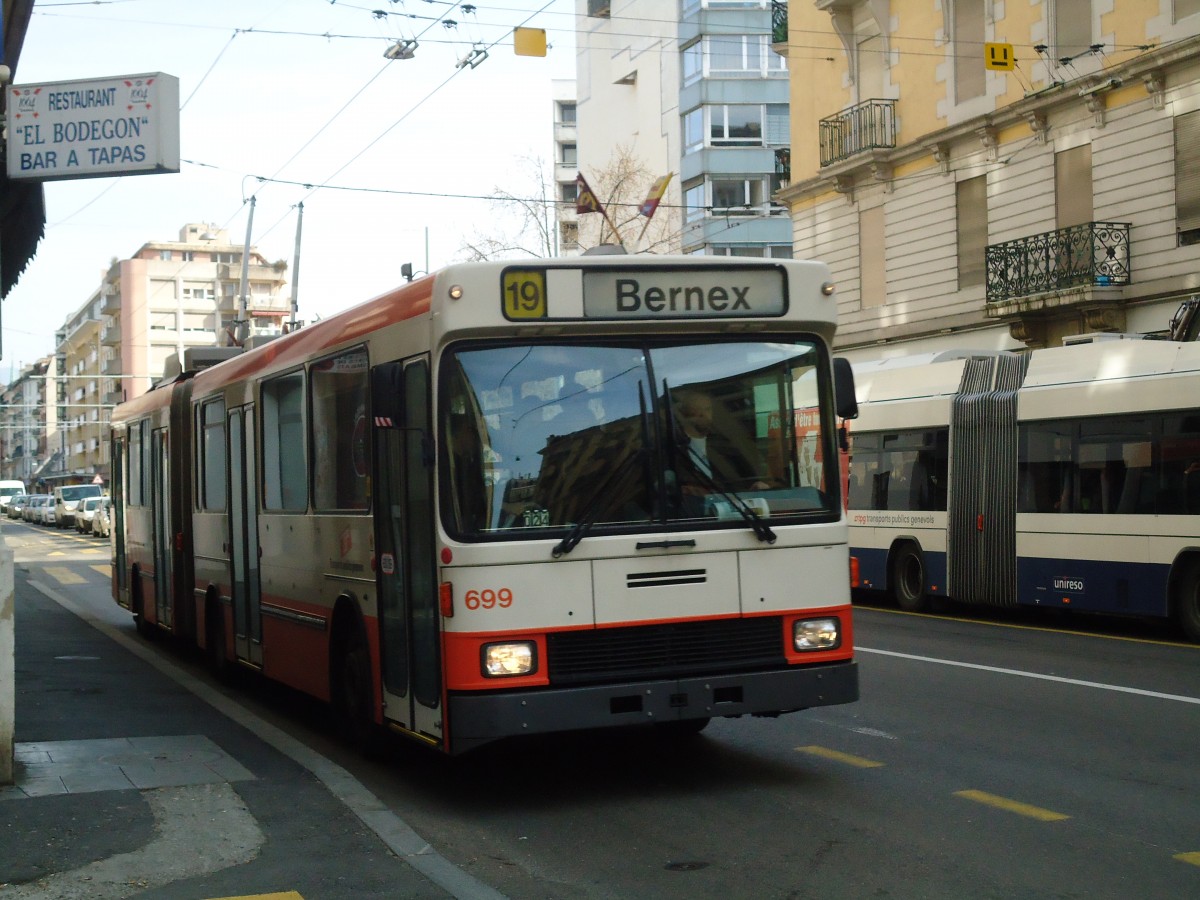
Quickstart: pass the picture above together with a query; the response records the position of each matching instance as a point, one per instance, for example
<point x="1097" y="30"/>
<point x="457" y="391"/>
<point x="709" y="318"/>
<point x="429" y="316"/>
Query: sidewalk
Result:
<point x="129" y="784"/>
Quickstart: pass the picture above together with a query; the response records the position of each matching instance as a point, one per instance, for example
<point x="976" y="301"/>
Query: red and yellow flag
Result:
<point x="585" y="200"/>
<point x="657" y="191"/>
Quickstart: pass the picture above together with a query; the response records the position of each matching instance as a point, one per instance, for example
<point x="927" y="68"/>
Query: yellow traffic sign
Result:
<point x="999" y="57"/>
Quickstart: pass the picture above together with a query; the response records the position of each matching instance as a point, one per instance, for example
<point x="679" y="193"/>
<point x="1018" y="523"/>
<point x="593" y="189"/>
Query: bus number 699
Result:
<point x="488" y="599"/>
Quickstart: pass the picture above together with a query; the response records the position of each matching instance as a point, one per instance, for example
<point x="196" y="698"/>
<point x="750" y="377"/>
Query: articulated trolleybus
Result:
<point x="511" y="498"/>
<point x="1065" y="478"/>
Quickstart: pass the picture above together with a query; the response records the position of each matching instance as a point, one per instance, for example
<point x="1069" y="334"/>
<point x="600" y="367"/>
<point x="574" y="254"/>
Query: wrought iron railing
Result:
<point x="1094" y="254"/>
<point x="779" y="21"/>
<point x="865" y="126"/>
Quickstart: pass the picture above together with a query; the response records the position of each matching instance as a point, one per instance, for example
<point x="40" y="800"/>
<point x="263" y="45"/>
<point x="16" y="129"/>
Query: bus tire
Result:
<point x="1187" y="598"/>
<point x="144" y="628"/>
<point x="214" y="642"/>
<point x="352" y="692"/>
<point x="907" y="578"/>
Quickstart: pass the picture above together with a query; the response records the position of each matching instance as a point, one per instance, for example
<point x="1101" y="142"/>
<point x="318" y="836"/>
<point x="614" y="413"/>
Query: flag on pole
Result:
<point x="657" y="191"/>
<point x="585" y="200"/>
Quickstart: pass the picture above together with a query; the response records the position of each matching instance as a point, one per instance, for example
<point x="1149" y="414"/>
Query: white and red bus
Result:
<point x="467" y="509"/>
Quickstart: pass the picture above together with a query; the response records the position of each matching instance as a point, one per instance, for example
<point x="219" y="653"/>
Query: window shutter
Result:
<point x="1187" y="171"/>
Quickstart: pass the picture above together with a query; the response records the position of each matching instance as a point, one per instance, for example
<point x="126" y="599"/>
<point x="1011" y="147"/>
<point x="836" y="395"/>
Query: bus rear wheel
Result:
<point x="352" y="694"/>
<point x="1187" y="599"/>
<point x="908" y="578"/>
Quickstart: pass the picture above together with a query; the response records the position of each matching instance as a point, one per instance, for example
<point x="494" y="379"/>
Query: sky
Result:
<point x="296" y="91"/>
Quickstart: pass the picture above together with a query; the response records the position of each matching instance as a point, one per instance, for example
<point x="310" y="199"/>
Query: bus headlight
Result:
<point x="817" y="634"/>
<point x="503" y="660"/>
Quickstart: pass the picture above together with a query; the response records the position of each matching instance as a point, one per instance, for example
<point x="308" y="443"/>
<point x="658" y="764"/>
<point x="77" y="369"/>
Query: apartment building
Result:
<point x="566" y="166"/>
<point x="83" y="404"/>
<point x="174" y="295"/>
<point x="692" y="88"/>
<point x="994" y="174"/>
<point x="28" y="423"/>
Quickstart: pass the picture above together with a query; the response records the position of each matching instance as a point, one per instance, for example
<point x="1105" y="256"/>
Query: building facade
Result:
<point x="692" y="88"/>
<point x="173" y="295"/>
<point x="566" y="167"/>
<point x="29" y="423"/>
<point x="82" y="405"/>
<point x="993" y="174"/>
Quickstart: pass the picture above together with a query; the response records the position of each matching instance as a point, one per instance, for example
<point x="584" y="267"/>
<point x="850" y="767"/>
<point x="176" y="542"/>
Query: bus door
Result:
<point x="160" y="513"/>
<point x="409" y="612"/>
<point x="243" y="536"/>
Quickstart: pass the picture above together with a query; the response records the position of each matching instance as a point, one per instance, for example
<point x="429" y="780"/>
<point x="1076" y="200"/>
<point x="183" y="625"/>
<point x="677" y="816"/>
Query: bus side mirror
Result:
<point x="845" y="399"/>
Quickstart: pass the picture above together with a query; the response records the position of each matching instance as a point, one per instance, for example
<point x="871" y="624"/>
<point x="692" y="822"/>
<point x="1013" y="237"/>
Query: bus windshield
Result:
<point x="634" y="436"/>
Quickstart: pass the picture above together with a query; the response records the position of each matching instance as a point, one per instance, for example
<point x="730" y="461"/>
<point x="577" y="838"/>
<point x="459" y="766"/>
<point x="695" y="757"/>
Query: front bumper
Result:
<point x="480" y="717"/>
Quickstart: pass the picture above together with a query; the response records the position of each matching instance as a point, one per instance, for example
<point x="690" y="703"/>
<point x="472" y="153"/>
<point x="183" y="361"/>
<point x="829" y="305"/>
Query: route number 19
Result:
<point x="524" y="294"/>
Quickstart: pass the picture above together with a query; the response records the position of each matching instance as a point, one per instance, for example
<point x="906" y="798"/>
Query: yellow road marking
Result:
<point x="1013" y="806"/>
<point x="64" y="576"/>
<point x="286" y="895"/>
<point x="105" y="570"/>
<point x="838" y="756"/>
<point x="1193" y="858"/>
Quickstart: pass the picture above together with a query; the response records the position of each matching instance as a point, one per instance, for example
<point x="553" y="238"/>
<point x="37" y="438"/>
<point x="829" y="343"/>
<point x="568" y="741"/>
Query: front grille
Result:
<point x="671" y="650"/>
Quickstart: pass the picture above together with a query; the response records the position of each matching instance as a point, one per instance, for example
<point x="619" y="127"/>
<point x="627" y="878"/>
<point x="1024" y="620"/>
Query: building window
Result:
<point x="568" y="192"/>
<point x="735" y="54"/>
<point x="1073" y="186"/>
<point x="692" y="62"/>
<point x="969" y="72"/>
<point x="736" y="126"/>
<point x="569" y="234"/>
<point x="196" y="292"/>
<point x="1185" y="8"/>
<point x="164" y="255"/>
<point x="738" y="197"/>
<point x="566" y="113"/>
<point x="693" y="130"/>
<point x="1187" y="178"/>
<point x="162" y="321"/>
<point x="1072" y="28"/>
<point x="187" y="256"/>
<point x="228" y="258"/>
<point x="569" y="154"/>
<point x="972" y="218"/>
<point x="693" y="201"/>
<point x="872" y="259"/>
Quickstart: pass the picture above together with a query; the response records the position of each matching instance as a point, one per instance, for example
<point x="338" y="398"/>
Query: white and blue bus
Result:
<point x="1066" y="478"/>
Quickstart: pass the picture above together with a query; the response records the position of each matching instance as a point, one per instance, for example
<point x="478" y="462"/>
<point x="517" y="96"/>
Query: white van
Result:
<point x="66" y="498"/>
<point x="8" y="490"/>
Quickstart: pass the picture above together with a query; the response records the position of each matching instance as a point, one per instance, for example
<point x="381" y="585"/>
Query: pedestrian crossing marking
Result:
<point x="1013" y="806"/>
<point x="63" y="575"/>
<point x="105" y="570"/>
<point x="1193" y="858"/>
<point x="286" y="895"/>
<point x="837" y="756"/>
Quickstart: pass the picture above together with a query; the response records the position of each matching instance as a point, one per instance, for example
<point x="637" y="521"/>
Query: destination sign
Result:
<point x="87" y="129"/>
<point x="700" y="293"/>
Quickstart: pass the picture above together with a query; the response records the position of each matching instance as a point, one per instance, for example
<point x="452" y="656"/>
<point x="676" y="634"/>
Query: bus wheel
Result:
<point x="1187" y="599"/>
<point x="908" y="578"/>
<point x="352" y="694"/>
<point x="214" y="635"/>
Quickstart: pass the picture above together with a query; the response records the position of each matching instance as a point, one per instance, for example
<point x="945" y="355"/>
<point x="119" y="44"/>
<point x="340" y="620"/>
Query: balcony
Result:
<point x="870" y="125"/>
<point x="1095" y="254"/>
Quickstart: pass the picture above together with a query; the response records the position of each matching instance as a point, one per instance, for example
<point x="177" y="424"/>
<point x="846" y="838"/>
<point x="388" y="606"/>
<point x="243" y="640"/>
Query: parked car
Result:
<point x="16" y="505"/>
<point x="36" y="506"/>
<point x="102" y="520"/>
<point x="45" y="514"/>
<point x="67" y="499"/>
<point x="85" y="512"/>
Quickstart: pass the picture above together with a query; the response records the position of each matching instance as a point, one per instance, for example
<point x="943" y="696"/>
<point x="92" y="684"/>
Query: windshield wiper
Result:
<point x="760" y="528"/>
<point x="598" y="502"/>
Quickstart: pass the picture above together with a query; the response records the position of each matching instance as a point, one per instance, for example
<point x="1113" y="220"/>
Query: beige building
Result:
<point x="993" y="174"/>
<point x="82" y="406"/>
<point x="173" y="295"/>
